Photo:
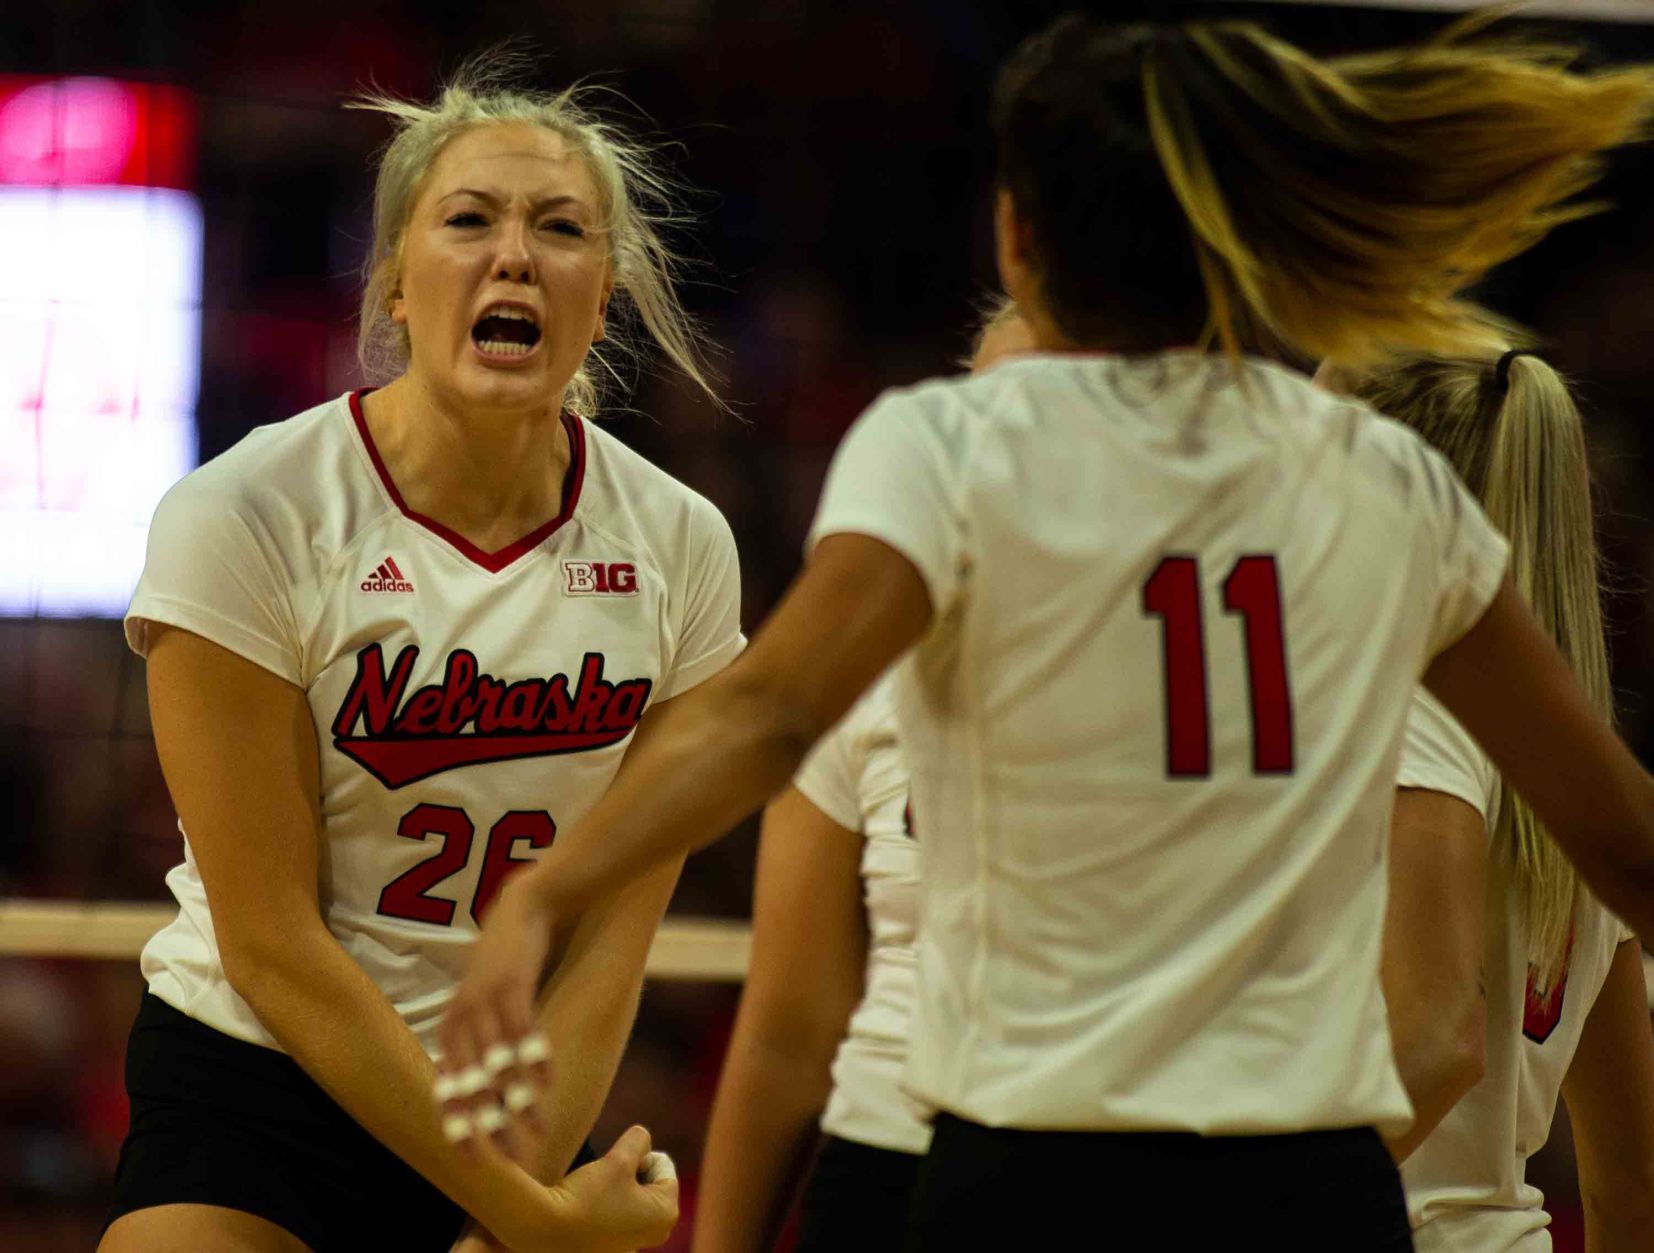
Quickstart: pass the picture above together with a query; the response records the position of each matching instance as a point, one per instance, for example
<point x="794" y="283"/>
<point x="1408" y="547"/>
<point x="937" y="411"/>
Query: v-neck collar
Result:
<point x="498" y="560"/>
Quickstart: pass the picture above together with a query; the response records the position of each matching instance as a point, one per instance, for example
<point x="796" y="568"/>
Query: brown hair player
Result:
<point x="1160" y="612"/>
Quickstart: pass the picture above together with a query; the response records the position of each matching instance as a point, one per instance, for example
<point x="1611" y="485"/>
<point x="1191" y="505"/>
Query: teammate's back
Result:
<point x="1156" y="189"/>
<point x="1167" y="696"/>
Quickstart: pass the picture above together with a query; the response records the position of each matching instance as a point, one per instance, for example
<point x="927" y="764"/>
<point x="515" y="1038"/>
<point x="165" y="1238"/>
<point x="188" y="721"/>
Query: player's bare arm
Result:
<point x="587" y="1008"/>
<point x="727" y="746"/>
<point x="585" y="1012"/>
<point x="1433" y="963"/>
<point x="1512" y="690"/>
<point x="220" y="719"/>
<point x="589" y="1005"/>
<point x="809" y="952"/>
<point x="1609" y="1089"/>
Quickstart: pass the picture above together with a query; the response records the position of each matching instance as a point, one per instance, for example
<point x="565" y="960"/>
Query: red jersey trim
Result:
<point x="498" y="560"/>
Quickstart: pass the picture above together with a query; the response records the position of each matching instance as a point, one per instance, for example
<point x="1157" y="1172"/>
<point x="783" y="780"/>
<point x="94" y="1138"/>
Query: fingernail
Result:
<point x="456" y="1127"/>
<point x="520" y="1096"/>
<point x="446" y="1089"/>
<point x="533" y="1049"/>
<point x="470" y="1081"/>
<point x="498" y="1058"/>
<point x="490" y="1118"/>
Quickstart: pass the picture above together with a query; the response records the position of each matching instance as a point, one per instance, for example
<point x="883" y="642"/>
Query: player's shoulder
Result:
<point x="623" y="490"/>
<point x="1026" y="388"/>
<point x="299" y="456"/>
<point x="1401" y="462"/>
<point x="937" y="416"/>
<point x="835" y="774"/>
<point x="301" y="486"/>
<point x="1393" y="456"/>
<point x="1323" y="416"/>
<point x="1439" y="755"/>
<point x="872" y="719"/>
<point x="982" y="393"/>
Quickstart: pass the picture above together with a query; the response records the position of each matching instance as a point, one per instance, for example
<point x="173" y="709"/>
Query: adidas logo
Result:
<point x="387" y="578"/>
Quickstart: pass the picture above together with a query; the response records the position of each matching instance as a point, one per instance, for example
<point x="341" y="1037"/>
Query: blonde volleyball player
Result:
<point x="1501" y="999"/>
<point x="1167" y="608"/>
<point x="822" y="1030"/>
<point x="394" y="644"/>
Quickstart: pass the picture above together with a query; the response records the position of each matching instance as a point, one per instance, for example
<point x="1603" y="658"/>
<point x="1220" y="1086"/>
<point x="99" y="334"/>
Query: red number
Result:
<point x="533" y="825"/>
<point x="404" y="896"/>
<point x="1542" y="1011"/>
<point x="1173" y="593"/>
<point x="1252" y="591"/>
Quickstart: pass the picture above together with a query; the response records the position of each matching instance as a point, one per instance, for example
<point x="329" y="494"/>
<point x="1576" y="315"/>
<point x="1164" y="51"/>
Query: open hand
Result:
<point x="494" y="1066"/>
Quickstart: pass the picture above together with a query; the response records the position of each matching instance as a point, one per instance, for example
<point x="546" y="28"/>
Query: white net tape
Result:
<point x="710" y="950"/>
<point x="706" y="949"/>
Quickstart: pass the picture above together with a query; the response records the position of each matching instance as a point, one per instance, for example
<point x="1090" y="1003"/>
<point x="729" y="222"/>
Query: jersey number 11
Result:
<point x="1253" y="592"/>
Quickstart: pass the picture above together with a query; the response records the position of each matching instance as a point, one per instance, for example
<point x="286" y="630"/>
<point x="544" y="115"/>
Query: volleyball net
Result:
<point x="713" y="950"/>
<point x="706" y="950"/>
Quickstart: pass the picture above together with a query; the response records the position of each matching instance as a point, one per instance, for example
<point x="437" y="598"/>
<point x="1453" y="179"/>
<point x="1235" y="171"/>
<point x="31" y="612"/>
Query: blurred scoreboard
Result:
<point x="100" y="330"/>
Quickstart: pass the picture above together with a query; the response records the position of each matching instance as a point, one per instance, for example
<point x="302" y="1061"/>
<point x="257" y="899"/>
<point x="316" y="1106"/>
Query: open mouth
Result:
<point x="505" y="331"/>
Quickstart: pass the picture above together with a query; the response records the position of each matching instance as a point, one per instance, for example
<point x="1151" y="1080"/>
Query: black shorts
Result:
<point x="1308" y="1192"/>
<point x="856" y="1199"/>
<point x="218" y="1121"/>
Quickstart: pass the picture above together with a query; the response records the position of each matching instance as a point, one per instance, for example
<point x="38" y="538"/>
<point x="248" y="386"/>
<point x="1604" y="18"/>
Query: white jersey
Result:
<point x="857" y="778"/>
<point x="466" y="704"/>
<point x="1465" y="1184"/>
<point x="1153" y="730"/>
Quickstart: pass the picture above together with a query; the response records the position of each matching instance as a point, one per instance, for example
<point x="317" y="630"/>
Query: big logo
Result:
<point x="471" y="717"/>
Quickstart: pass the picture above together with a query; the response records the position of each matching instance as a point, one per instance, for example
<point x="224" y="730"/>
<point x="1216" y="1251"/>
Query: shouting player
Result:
<point x="394" y="644"/>
<point x="1167" y="608"/>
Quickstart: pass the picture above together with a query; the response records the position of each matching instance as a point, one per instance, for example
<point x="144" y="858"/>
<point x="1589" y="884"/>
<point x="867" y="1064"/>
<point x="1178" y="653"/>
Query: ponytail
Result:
<point x="1519" y="444"/>
<point x="1538" y="493"/>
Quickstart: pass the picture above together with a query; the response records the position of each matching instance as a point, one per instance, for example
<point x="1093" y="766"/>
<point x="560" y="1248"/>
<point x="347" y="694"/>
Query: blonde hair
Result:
<point x="992" y="312"/>
<point x="637" y="201"/>
<point x="1521" y="449"/>
<point x="1335" y="207"/>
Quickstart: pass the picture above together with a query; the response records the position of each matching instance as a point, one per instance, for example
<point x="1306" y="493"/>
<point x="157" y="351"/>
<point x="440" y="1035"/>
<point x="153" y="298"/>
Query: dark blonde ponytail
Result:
<point x="1512" y="431"/>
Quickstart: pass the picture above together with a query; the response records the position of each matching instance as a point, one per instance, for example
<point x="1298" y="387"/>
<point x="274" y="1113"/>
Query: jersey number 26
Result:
<point x="408" y="895"/>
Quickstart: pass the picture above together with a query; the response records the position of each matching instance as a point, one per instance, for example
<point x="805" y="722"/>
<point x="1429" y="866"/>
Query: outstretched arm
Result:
<point x="1512" y="690"/>
<point x="1609" y="1090"/>
<point x="809" y="949"/>
<point x="735" y="740"/>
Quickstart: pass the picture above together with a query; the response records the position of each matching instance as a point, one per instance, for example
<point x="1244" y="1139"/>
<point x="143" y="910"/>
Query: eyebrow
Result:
<point x="493" y="201"/>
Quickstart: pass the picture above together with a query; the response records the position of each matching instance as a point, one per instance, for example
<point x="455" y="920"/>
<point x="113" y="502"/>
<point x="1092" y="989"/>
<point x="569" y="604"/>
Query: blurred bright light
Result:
<point x="81" y="132"/>
<point x="100" y="325"/>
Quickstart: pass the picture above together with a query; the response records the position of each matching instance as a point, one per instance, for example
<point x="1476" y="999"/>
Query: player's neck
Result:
<point x="491" y="477"/>
<point x="1123" y="335"/>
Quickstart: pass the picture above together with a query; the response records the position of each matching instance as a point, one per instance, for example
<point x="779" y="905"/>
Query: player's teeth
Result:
<point x="501" y="348"/>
